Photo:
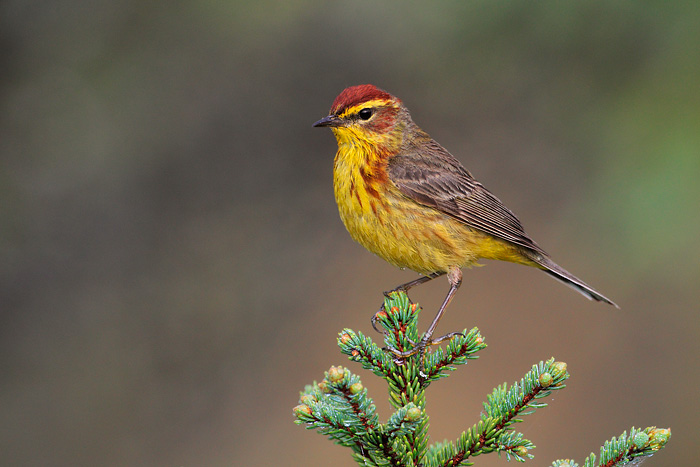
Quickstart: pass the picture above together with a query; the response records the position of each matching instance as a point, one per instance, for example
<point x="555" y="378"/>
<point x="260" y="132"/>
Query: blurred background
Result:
<point x="173" y="269"/>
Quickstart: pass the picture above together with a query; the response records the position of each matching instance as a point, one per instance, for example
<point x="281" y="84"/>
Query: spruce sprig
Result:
<point x="625" y="450"/>
<point x="340" y="408"/>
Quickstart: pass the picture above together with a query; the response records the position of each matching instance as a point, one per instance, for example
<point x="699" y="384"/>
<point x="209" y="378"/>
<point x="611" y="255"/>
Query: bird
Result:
<point x="406" y="199"/>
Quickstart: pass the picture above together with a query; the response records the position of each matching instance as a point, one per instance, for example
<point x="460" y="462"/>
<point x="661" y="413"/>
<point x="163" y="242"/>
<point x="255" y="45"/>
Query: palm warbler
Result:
<point x="405" y="198"/>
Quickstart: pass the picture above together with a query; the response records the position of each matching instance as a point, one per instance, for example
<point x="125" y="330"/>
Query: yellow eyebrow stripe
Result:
<point x="372" y="103"/>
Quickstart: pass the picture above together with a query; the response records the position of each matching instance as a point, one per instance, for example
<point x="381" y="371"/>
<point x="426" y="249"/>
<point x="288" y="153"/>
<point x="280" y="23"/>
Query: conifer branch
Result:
<point x="625" y="450"/>
<point x="340" y="408"/>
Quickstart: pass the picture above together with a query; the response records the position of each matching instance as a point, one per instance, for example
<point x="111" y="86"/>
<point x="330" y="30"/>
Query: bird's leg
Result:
<point x="454" y="276"/>
<point x="409" y="285"/>
<point x="404" y="288"/>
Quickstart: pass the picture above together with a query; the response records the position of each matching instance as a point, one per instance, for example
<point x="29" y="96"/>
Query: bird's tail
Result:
<point x="564" y="276"/>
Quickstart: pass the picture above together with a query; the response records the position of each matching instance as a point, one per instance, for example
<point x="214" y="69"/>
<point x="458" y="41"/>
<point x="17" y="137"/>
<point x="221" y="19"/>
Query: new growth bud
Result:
<point x="658" y="437"/>
<point x="640" y="440"/>
<point x="559" y="369"/>
<point x="413" y="414"/>
<point x="302" y="409"/>
<point x="520" y="451"/>
<point x="336" y="374"/>
<point x="545" y="380"/>
<point x="308" y="399"/>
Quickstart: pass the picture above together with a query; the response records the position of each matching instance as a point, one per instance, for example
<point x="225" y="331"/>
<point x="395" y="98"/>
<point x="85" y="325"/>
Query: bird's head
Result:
<point x="365" y="114"/>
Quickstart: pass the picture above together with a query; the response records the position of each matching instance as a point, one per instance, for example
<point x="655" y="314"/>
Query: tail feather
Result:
<point x="564" y="276"/>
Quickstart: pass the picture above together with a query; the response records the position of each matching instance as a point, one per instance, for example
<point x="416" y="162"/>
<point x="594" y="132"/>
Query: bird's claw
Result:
<point x="419" y="347"/>
<point x="375" y="318"/>
<point x="445" y="337"/>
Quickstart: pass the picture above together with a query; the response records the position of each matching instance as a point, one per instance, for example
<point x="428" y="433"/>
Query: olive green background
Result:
<point x="173" y="270"/>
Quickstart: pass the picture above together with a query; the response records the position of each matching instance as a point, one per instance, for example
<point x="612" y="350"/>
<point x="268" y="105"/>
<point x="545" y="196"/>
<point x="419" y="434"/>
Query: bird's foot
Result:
<point x="376" y="318"/>
<point x="420" y="347"/>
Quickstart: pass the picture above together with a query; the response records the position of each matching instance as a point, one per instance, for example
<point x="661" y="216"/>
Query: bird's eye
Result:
<point x="365" y="114"/>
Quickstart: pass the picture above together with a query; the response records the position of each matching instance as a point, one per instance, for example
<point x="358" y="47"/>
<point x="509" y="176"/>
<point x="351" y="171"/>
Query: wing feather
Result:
<point x="430" y="175"/>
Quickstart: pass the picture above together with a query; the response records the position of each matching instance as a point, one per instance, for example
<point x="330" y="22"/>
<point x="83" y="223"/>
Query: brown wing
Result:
<point x="430" y="175"/>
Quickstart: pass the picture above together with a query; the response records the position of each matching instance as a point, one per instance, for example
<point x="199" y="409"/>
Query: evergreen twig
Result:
<point x="340" y="408"/>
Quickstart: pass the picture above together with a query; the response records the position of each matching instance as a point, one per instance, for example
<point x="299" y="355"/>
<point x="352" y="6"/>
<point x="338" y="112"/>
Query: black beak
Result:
<point x="331" y="121"/>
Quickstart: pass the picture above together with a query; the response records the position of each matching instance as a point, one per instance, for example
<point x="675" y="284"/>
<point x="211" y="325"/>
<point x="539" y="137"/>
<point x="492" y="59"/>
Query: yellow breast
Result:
<point x="396" y="228"/>
<point x="392" y="226"/>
